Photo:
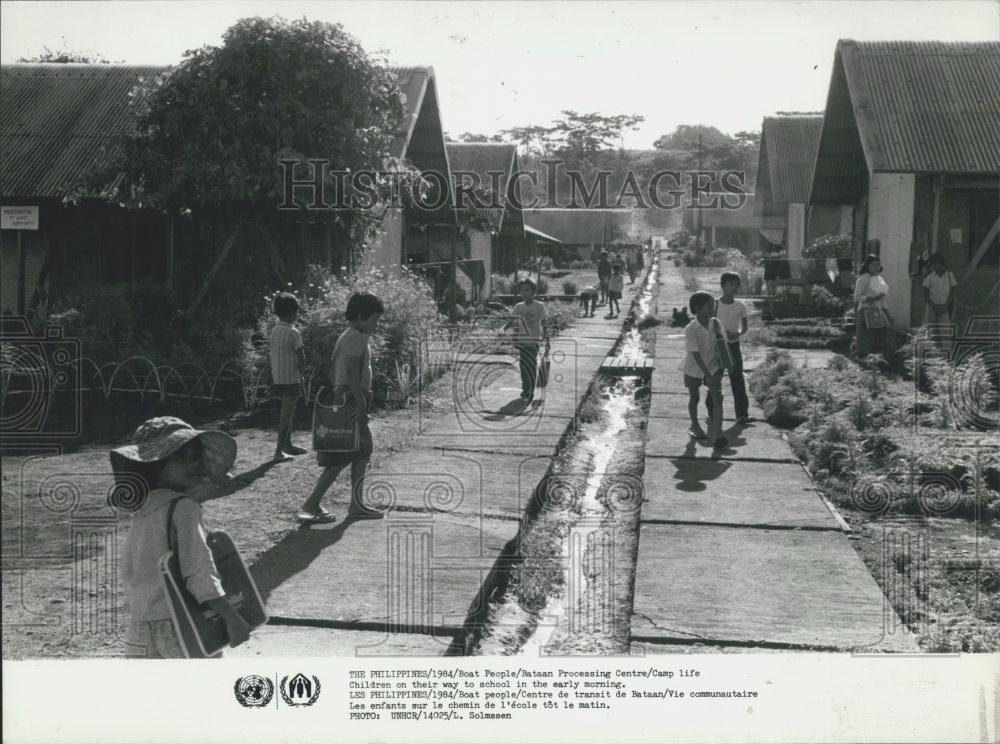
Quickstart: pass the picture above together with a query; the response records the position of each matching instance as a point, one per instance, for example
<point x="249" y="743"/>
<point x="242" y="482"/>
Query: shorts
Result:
<point x="339" y="459"/>
<point x="604" y="282"/>
<point x="614" y="295"/>
<point x="293" y="389"/>
<point x="693" y="383"/>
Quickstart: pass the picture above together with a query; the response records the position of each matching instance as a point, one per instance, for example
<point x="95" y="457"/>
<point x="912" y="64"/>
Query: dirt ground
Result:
<point x="61" y="593"/>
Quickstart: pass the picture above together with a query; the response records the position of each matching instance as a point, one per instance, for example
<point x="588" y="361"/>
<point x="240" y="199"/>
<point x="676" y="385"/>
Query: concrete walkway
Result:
<point x="736" y="548"/>
<point x="404" y="585"/>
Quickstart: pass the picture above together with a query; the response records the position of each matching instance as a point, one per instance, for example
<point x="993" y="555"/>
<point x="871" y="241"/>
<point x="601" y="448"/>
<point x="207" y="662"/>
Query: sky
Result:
<point x="509" y="64"/>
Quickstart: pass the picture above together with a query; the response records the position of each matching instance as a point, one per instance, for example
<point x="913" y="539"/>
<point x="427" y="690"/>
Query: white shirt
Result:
<point x="940" y="286"/>
<point x="730" y="315"/>
<point x="530" y="331"/>
<point x="147" y="540"/>
<point x="701" y="339"/>
<point x="869" y="285"/>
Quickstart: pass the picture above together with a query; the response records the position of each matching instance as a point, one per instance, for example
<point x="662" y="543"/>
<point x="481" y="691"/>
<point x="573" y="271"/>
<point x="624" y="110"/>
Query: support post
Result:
<point x="22" y="274"/>
<point x="938" y="187"/>
<point x="170" y="253"/>
<point x="453" y="289"/>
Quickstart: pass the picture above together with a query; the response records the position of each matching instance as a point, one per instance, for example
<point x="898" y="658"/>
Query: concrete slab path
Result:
<point x="404" y="585"/>
<point x="736" y="549"/>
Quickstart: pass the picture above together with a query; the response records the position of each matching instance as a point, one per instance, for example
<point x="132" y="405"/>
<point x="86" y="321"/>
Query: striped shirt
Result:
<point x="285" y="343"/>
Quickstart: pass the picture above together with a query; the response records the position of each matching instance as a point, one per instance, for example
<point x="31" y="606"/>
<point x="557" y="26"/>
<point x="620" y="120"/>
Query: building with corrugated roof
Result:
<point x="731" y="220"/>
<point x="911" y="146"/>
<point x="785" y="165"/>
<point x="59" y="124"/>
<point x="582" y="232"/>
<point x="420" y="141"/>
<point x="489" y="166"/>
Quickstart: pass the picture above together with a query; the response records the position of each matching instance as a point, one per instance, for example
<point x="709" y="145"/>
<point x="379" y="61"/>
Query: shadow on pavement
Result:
<point x="241" y="481"/>
<point x="693" y="472"/>
<point x="293" y="554"/>
<point x="510" y="408"/>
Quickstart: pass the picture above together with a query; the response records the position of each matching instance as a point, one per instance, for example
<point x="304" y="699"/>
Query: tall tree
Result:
<point x="210" y="132"/>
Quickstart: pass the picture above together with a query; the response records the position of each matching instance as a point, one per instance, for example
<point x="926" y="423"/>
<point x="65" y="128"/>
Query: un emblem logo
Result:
<point x="300" y="690"/>
<point x="253" y="691"/>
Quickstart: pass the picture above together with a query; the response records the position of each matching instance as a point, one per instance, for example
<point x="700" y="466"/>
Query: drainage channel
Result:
<point x="564" y="584"/>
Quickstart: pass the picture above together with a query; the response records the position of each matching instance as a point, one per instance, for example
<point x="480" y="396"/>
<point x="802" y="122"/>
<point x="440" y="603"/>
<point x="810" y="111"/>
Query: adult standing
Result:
<point x="603" y="276"/>
<point x="630" y="263"/>
<point x="871" y="317"/>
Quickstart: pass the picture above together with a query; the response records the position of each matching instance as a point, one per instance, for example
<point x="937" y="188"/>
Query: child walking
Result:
<point x="616" y="285"/>
<point x="288" y="364"/>
<point x="350" y="376"/>
<point x="588" y="300"/>
<point x="529" y="316"/>
<point x="735" y="320"/>
<point x="169" y="461"/>
<point x="701" y="367"/>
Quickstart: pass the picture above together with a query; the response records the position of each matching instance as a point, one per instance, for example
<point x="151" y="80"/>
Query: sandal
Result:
<point x="323" y="517"/>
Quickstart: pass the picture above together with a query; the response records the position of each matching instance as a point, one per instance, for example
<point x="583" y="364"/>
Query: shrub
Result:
<point x="410" y="320"/>
<point x="827" y="303"/>
<point x="546" y="263"/>
<point x="719" y="258"/>
<point x="569" y="287"/>
<point x="503" y="284"/>
<point x="832" y="448"/>
<point x="581" y="264"/>
<point x="559" y="315"/>
<point x="751" y="274"/>
<point x="692" y="258"/>
<point x="828" y="246"/>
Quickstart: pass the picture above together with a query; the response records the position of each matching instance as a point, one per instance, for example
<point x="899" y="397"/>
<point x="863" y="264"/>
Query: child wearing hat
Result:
<point x="168" y="461"/>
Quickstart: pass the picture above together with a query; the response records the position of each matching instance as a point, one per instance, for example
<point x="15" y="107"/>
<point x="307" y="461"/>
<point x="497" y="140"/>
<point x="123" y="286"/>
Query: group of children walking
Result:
<point x="712" y="348"/>
<point x="179" y="466"/>
<point x="713" y="335"/>
<point x="170" y="468"/>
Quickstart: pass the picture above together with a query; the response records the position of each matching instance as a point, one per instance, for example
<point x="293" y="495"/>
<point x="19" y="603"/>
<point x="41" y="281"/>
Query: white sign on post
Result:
<point x="19" y="218"/>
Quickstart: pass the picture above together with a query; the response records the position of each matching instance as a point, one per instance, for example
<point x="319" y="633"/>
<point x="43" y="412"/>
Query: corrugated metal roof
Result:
<point x="743" y="217"/>
<point x="930" y="107"/>
<point x="421" y="137"/>
<point x="413" y="82"/>
<point x="581" y="226"/>
<point x="483" y="159"/>
<point x="540" y="235"/>
<point x="788" y="150"/>
<point x="58" y="122"/>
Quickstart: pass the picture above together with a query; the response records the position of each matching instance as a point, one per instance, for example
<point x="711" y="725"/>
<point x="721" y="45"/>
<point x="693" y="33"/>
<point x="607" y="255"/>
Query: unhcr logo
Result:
<point x="300" y="690"/>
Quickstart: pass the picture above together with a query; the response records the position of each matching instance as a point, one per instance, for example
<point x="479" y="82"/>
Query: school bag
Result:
<point x="544" y="367"/>
<point x="721" y="341"/>
<point x="335" y="429"/>
<point x="202" y="632"/>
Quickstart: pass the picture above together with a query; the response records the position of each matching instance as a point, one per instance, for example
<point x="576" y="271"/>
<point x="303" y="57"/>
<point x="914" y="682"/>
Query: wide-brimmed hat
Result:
<point x="160" y="437"/>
